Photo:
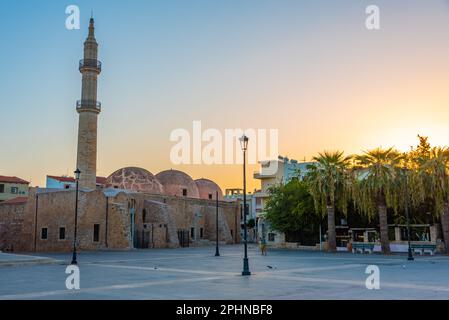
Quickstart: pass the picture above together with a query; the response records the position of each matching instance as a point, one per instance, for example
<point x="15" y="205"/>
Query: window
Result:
<point x="96" y="232"/>
<point x="192" y="233"/>
<point x="232" y="233"/>
<point x="144" y="216"/>
<point x="67" y="186"/>
<point x="210" y="196"/>
<point x="184" y="192"/>
<point x="2" y="188"/>
<point x="271" y="237"/>
<point x="44" y="234"/>
<point x="62" y="233"/>
<point x="14" y="190"/>
<point x="201" y="232"/>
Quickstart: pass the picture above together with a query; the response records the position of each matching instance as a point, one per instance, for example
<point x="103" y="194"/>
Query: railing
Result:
<point x="90" y="64"/>
<point x="88" y="104"/>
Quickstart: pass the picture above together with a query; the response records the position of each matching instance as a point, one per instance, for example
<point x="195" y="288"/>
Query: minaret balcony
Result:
<point x="88" y="105"/>
<point x="90" y="64"/>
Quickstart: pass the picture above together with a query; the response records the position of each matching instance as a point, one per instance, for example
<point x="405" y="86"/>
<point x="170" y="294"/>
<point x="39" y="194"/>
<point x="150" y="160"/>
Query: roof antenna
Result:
<point x="92" y="13"/>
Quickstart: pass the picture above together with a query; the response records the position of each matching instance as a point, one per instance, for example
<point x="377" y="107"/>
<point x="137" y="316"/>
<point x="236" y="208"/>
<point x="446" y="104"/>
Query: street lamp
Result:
<point x="410" y="254"/>
<point x="77" y="178"/>
<point x="217" y="251"/>
<point x="244" y="144"/>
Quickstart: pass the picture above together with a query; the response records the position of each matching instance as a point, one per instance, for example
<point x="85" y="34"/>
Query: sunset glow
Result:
<point x="307" y="68"/>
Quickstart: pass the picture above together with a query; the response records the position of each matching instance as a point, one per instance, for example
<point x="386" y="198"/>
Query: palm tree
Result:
<point x="433" y="176"/>
<point x="328" y="184"/>
<point x="376" y="185"/>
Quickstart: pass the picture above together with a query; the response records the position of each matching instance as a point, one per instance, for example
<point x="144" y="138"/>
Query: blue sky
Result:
<point x="307" y="68"/>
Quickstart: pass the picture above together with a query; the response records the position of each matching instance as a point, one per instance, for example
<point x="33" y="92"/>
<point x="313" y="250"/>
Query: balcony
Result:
<point x="263" y="175"/>
<point x="91" y="64"/>
<point x="88" y="105"/>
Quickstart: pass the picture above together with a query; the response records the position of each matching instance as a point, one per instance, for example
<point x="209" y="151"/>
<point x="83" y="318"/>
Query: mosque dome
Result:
<point x="208" y="189"/>
<point x="134" y="179"/>
<point x="178" y="183"/>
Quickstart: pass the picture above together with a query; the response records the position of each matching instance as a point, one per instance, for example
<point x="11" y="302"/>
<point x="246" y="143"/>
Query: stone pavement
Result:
<point x="8" y="259"/>
<point x="194" y="273"/>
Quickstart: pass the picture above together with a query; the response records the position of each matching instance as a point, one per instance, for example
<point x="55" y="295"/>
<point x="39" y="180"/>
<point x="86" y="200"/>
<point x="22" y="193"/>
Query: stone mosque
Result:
<point x="132" y="209"/>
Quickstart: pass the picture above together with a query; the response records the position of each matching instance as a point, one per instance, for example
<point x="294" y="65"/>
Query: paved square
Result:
<point x="194" y="273"/>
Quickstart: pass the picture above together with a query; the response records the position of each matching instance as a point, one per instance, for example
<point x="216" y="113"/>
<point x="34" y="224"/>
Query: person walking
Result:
<point x="263" y="247"/>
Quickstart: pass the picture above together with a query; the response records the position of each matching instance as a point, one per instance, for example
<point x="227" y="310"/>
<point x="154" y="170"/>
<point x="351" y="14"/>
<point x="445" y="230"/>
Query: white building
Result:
<point x="271" y="173"/>
<point x="236" y="194"/>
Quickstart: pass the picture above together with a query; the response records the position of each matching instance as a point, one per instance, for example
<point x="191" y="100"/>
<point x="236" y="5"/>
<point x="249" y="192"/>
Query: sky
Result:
<point x="310" y="69"/>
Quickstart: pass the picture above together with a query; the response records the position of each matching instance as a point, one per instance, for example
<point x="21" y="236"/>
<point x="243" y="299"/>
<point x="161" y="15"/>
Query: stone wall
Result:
<point x="158" y="228"/>
<point x="187" y="213"/>
<point x="11" y="226"/>
<point x="57" y="210"/>
<point x="118" y="219"/>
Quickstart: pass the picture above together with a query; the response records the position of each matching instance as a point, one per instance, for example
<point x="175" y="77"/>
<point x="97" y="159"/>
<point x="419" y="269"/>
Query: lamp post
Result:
<point x="410" y="254"/>
<point x="77" y="178"/>
<point x="244" y="144"/>
<point x="217" y="251"/>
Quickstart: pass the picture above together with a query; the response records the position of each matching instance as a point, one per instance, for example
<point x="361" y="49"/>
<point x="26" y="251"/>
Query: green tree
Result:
<point x="329" y="184"/>
<point x="376" y="185"/>
<point x="418" y="176"/>
<point x="431" y="180"/>
<point x="290" y="209"/>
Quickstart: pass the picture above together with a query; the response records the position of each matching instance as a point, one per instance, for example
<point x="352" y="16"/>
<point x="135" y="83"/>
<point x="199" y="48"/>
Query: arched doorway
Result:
<point x="146" y="232"/>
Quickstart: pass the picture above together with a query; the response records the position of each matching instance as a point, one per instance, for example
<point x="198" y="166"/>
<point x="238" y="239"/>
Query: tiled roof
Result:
<point x="13" y="180"/>
<point x="18" y="200"/>
<point x="62" y="179"/>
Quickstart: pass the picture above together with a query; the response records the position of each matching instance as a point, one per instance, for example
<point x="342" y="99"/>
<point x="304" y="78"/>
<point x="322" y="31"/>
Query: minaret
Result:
<point x="88" y="108"/>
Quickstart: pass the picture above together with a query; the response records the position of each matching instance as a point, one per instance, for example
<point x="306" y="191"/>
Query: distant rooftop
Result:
<point x="100" y="180"/>
<point x="7" y="179"/>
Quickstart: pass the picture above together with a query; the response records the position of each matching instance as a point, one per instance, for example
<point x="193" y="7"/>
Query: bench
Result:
<point x="424" y="248"/>
<point x="362" y="247"/>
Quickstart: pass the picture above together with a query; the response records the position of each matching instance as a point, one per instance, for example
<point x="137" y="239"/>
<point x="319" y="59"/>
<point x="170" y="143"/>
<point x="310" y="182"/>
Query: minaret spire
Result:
<point x="88" y="108"/>
<point x="91" y="27"/>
